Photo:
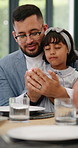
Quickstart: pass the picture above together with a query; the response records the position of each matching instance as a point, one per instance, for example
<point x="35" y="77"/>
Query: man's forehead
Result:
<point x="27" y="25"/>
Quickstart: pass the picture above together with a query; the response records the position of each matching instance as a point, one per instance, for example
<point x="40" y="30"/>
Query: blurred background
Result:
<point x="56" y="13"/>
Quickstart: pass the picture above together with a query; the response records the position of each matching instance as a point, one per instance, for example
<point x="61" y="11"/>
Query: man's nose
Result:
<point x="29" y="39"/>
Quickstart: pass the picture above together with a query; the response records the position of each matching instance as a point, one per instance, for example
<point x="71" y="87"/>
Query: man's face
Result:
<point x="29" y="44"/>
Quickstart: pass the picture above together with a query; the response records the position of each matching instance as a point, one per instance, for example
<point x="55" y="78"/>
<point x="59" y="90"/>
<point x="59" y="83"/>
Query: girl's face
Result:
<point x="56" y="55"/>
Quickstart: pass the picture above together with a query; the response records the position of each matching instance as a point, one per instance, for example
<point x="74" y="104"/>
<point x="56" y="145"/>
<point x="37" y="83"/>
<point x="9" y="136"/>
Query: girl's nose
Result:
<point x="52" y="51"/>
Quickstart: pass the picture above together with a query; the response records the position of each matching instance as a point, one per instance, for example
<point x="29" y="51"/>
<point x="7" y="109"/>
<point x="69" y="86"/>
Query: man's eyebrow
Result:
<point x="35" y="29"/>
<point x="21" y="32"/>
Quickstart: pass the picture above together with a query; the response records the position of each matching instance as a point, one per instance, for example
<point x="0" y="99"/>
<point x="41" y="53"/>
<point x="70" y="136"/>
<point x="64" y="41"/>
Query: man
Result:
<point x="28" y="32"/>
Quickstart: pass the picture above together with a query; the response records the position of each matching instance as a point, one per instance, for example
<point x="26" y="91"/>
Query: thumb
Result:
<point x="53" y="75"/>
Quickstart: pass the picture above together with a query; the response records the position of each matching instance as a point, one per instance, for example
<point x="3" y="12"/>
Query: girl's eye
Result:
<point x="47" y="48"/>
<point x="57" y="47"/>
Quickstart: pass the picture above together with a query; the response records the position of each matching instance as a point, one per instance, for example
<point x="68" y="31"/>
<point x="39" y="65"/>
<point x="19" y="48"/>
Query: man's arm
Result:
<point x="5" y="89"/>
<point x="8" y="87"/>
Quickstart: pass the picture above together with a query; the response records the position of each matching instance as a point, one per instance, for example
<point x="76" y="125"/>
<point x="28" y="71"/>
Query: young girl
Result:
<point x="59" y="51"/>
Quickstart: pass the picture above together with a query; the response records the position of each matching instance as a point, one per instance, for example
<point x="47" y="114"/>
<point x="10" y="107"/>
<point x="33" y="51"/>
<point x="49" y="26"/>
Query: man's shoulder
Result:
<point x="11" y="57"/>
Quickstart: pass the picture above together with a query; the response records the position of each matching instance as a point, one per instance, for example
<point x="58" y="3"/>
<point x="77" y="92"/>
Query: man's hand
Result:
<point x="41" y="84"/>
<point x="33" y="95"/>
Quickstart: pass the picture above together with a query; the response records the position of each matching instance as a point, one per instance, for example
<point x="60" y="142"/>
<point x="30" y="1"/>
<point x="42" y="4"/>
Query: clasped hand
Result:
<point x="38" y="83"/>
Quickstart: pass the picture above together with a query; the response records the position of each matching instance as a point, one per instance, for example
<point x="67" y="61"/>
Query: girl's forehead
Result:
<point x="55" y="40"/>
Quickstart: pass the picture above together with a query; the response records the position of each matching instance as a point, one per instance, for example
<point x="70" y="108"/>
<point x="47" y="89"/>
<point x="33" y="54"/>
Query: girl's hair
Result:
<point x="57" y="37"/>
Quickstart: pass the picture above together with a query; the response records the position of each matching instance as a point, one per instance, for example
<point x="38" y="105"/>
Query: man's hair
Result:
<point x="24" y="11"/>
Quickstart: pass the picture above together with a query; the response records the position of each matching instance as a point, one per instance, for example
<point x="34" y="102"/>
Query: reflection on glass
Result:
<point x="62" y="16"/>
<point x="40" y="3"/>
<point x="4" y="32"/>
<point x="61" y="13"/>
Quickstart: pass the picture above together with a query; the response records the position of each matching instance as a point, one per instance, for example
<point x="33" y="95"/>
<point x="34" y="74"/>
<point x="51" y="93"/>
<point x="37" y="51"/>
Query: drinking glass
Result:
<point x="65" y="111"/>
<point x="19" y="108"/>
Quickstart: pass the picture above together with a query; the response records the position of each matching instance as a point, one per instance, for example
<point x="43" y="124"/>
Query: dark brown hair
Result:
<point x="24" y="11"/>
<point x="57" y="37"/>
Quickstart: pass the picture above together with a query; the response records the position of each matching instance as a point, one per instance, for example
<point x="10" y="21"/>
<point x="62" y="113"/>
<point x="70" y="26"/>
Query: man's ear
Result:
<point x="14" y="35"/>
<point x="45" y="27"/>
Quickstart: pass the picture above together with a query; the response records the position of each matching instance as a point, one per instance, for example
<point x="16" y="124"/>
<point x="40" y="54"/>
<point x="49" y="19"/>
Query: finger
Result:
<point x="35" y="89"/>
<point x="29" y="73"/>
<point x="34" y="76"/>
<point x="53" y="75"/>
<point x="41" y="74"/>
<point x="33" y="82"/>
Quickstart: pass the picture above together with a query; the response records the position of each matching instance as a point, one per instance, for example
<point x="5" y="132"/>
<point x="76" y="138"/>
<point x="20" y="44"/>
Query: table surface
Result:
<point x="6" y="125"/>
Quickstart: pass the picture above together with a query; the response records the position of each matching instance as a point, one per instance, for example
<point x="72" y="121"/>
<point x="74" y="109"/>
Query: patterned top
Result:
<point x="67" y="77"/>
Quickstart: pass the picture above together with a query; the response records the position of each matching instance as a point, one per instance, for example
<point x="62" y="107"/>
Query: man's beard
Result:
<point x="40" y="50"/>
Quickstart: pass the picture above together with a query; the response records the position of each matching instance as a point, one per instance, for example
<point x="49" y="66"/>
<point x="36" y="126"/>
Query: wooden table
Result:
<point x="6" y="125"/>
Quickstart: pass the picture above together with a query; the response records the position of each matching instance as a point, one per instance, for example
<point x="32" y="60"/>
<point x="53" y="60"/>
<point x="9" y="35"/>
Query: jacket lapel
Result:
<point x="21" y="67"/>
